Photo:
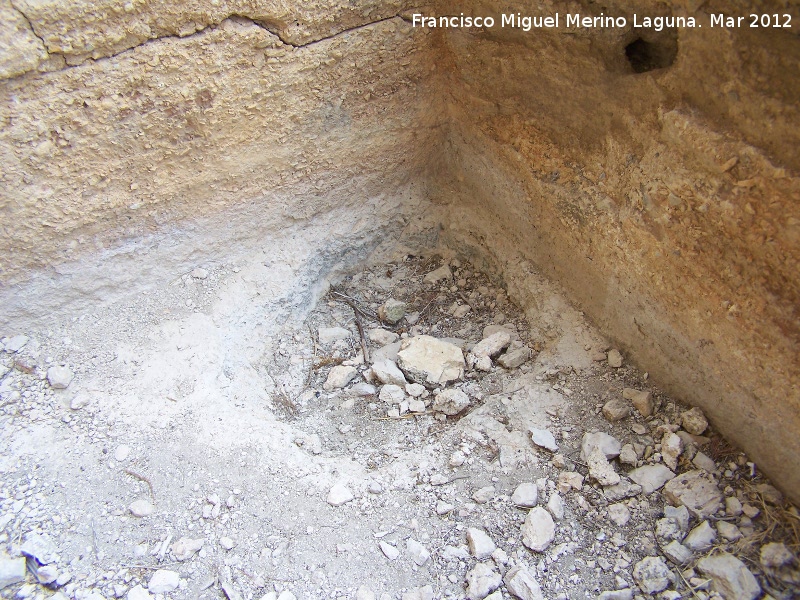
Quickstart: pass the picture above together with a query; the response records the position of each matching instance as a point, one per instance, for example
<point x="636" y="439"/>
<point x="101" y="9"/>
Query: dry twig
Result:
<point x="141" y="477"/>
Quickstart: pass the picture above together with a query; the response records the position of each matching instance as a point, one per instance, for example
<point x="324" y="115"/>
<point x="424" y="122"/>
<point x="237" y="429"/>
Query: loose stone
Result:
<point x="429" y="361"/>
<point x="389" y="551"/>
<point x="544" y="439"/>
<point x="569" y="480"/>
<point x="482" y="580"/>
<point x="450" y="402"/>
<point x="417" y="552"/>
<point x="556" y="507"/>
<point x="701" y="461"/>
<point x="733" y="506"/>
<point x="122" y="453"/>
<point x="619" y="514"/>
<point x="730" y="577"/>
<point x="339" y="494"/>
<point x="440" y="274"/>
<point x="728" y="531"/>
<point x="624" y="594"/>
<point x="480" y="545"/>
<point x="163" y="581"/>
<point x="671" y="448"/>
<point x="339" y="376"/>
<point x="651" y="477"/>
<point x="16" y="343"/>
<point x="40" y="547"/>
<point x="386" y="371"/>
<point x="600" y="469"/>
<point x="651" y="574"/>
<point x="526" y="495"/>
<point x="484" y="495"/>
<point x="392" y="311"/>
<point x="614" y="359"/>
<point x="538" y="530"/>
<point x="186" y="547"/>
<point x="515" y="358"/>
<point x="775" y="555"/>
<point x="701" y="538"/>
<point x="608" y="444"/>
<point x="392" y="394"/>
<point x="139" y="593"/>
<point x="694" y="421"/>
<point x="59" y="377"/>
<point x="624" y="489"/>
<point x="697" y="491"/>
<point x="616" y="409"/>
<point x="493" y="345"/>
<point x="628" y="456"/>
<point x="642" y="401"/>
<point x="677" y="553"/>
<point x="12" y="570"/>
<point x="521" y="583"/>
<point x="382" y="337"/>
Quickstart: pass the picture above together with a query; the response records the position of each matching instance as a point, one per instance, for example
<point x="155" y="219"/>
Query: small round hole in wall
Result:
<point x="653" y="53"/>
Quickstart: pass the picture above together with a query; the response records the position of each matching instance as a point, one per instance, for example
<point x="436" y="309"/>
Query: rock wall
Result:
<point x="219" y="116"/>
<point x="652" y="174"/>
<point x="664" y="201"/>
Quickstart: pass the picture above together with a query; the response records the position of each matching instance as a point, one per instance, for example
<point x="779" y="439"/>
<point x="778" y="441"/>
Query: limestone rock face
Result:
<point x="20" y="50"/>
<point x="84" y="29"/>
<point x="656" y="288"/>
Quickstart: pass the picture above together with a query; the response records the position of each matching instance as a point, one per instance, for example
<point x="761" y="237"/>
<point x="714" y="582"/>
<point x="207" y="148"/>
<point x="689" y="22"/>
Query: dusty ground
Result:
<point x="206" y="400"/>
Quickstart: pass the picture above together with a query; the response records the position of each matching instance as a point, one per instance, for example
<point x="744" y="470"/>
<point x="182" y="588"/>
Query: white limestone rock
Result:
<point x="450" y="402"/>
<point x="59" y="377"/>
<point x="386" y="371"/>
<point x="600" y="469"/>
<point x="339" y="376"/>
<point x="697" y="491"/>
<point x="651" y="477"/>
<point x="651" y="574"/>
<point x="701" y="538"/>
<point x="544" y="439"/>
<point x="141" y="508"/>
<point x="482" y="580"/>
<point x="186" y="547"/>
<point x="619" y="514"/>
<point x="430" y="361"/>
<point x="480" y="544"/>
<point x="671" y="449"/>
<point x="441" y="274"/>
<point x="610" y="446"/>
<point x="339" y="494"/>
<point x="163" y="581"/>
<point x="522" y="584"/>
<point x="538" y="530"/>
<point x="729" y="576"/>
<point x="525" y="495"/>
<point x="382" y="337"/>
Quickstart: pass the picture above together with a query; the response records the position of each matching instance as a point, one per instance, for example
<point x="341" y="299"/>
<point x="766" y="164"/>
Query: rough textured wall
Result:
<point x="666" y="201"/>
<point x="182" y="127"/>
<point x="51" y="33"/>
